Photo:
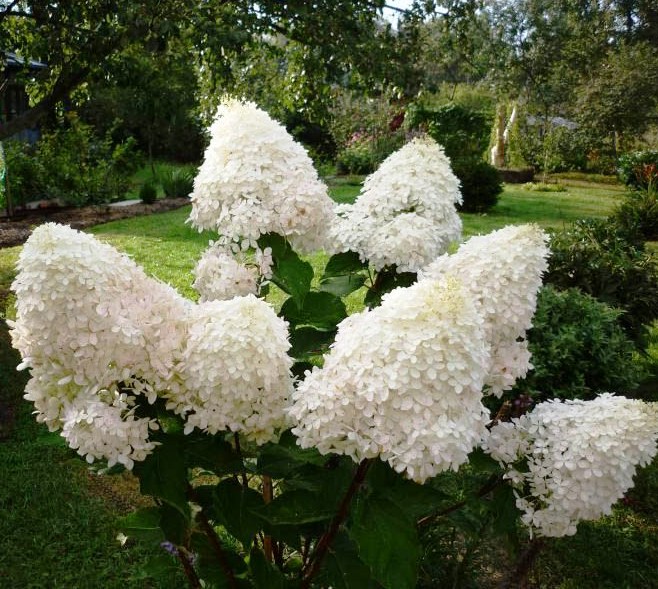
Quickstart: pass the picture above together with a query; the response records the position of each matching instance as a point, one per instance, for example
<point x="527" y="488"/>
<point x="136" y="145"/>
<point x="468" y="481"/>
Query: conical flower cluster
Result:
<point x="255" y="179"/>
<point x="405" y="215"/>
<point x="402" y="382"/>
<point x="581" y="458"/>
<point x="503" y="273"/>
<point x="90" y="324"/>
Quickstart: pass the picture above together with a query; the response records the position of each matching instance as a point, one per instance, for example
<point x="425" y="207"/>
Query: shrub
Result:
<point x="639" y="169"/>
<point x="148" y="193"/>
<point x="481" y="185"/>
<point x="578" y="348"/>
<point x="463" y="132"/>
<point x="364" y="152"/>
<point x="543" y="187"/>
<point x="70" y="165"/>
<point x="638" y="215"/>
<point x="177" y="182"/>
<point x="604" y="261"/>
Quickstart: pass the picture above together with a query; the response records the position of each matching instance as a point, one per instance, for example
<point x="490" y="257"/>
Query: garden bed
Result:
<point x="16" y="230"/>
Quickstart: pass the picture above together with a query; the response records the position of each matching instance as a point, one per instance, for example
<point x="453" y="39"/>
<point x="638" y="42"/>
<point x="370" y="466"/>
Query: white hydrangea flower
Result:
<point x="581" y="458"/>
<point x="402" y="382"/>
<point x="256" y="179"/>
<point x="87" y="319"/>
<point x="237" y="370"/>
<point x="503" y="271"/>
<point x="101" y="430"/>
<point x="222" y="274"/>
<point x="405" y="215"/>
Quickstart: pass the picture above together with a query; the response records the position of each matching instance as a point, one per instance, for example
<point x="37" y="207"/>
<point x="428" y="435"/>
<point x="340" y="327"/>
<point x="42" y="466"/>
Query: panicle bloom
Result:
<point x="581" y="458"/>
<point x="255" y="179"/>
<point x="222" y="274"/>
<point x="88" y="319"/>
<point x="405" y="215"/>
<point x="402" y="382"/>
<point x="237" y="369"/>
<point x="503" y="272"/>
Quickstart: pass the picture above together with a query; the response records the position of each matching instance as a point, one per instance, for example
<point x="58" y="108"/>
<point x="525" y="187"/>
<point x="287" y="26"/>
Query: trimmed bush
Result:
<point x="578" y="348"/>
<point x="638" y="215"/>
<point x="481" y="185"/>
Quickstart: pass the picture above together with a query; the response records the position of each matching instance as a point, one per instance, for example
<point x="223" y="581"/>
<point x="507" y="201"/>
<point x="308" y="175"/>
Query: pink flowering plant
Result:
<point x="305" y="447"/>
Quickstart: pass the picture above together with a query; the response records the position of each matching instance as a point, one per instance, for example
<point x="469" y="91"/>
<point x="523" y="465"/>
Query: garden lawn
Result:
<point x="54" y="532"/>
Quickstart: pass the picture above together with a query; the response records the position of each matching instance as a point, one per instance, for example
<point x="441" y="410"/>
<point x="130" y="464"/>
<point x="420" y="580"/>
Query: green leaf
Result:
<point x="386" y="281"/>
<point x="212" y="453"/>
<point x="506" y="513"/>
<point x="342" y="285"/>
<point x="174" y="524"/>
<point x="208" y="566"/>
<point x="161" y="567"/>
<point x="283" y="459"/>
<point x="321" y="310"/>
<point x="143" y="524"/>
<point x="342" y="567"/>
<point x="342" y="264"/>
<point x="164" y="474"/>
<point x="483" y="462"/>
<point x="235" y="508"/>
<point x="413" y="499"/>
<point x="387" y="542"/>
<point x="296" y="508"/>
<point x="289" y="272"/>
<point x="264" y="575"/>
<point x="308" y="341"/>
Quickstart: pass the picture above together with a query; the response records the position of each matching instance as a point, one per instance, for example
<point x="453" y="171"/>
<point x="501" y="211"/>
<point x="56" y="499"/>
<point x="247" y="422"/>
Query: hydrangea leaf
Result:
<point x="234" y="508"/>
<point x="342" y="285"/>
<point x="343" y="569"/>
<point x="264" y="575"/>
<point x="289" y="272"/>
<point x="387" y="542"/>
<point x="321" y="310"/>
<point x="164" y="474"/>
<point x="343" y="264"/>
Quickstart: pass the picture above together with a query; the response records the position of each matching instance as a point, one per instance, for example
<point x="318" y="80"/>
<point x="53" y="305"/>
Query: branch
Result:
<point x="215" y="542"/>
<point x="489" y="486"/>
<point x="325" y="541"/>
<point x="63" y="86"/>
<point x="519" y="576"/>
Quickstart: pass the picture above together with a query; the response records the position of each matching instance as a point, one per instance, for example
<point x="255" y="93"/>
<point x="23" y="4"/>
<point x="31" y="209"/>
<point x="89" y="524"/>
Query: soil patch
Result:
<point x="16" y="230"/>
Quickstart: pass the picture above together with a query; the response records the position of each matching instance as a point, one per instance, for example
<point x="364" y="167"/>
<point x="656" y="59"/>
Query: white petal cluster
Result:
<point x="237" y="369"/>
<point x="88" y="319"/>
<point x="503" y="271"/>
<point x="222" y="274"/>
<point x="581" y="458"/>
<point x="402" y="382"/>
<point x="405" y="215"/>
<point x="256" y="179"/>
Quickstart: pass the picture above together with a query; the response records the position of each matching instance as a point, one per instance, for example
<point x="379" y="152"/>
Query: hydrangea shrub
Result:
<point x="312" y="438"/>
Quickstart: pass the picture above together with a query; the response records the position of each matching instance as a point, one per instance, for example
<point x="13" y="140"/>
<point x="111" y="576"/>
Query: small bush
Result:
<point x="639" y="215"/>
<point x="578" y="348"/>
<point x="605" y="261"/>
<point x="481" y="185"/>
<point x="543" y="187"/>
<point x="177" y="182"/>
<point x="148" y="193"/>
<point x="639" y="169"/>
